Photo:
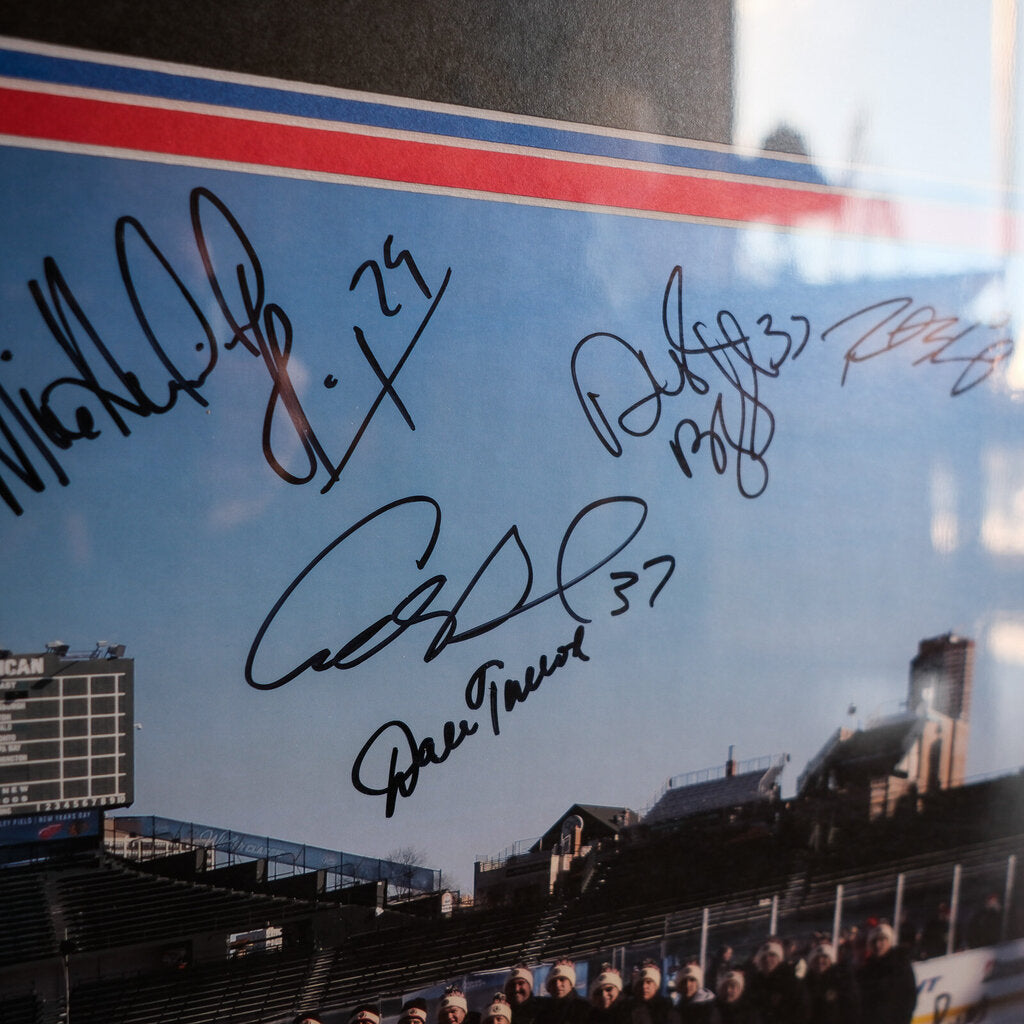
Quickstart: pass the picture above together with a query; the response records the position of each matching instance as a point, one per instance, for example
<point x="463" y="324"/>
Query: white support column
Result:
<point x="1011" y="873"/>
<point x="705" y="917"/>
<point x="954" y="909"/>
<point x="897" y="913"/>
<point x="837" y="917"/>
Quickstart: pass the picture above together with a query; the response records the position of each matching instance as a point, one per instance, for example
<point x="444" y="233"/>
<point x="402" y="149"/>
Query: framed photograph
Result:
<point x="591" y="435"/>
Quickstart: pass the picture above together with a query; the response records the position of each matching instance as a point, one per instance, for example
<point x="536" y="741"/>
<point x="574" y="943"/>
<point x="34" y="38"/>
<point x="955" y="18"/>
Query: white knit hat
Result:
<point x="563" y="969"/>
<point x="414" y="1012"/>
<point x="521" y="971"/>
<point x="366" y="1014"/>
<point x="453" y="997"/>
<point x="771" y="946"/>
<point x="823" y="949"/>
<point x="736" y="976"/>
<point x="649" y="969"/>
<point x="499" y="1008"/>
<point x="689" y="971"/>
<point x="608" y="976"/>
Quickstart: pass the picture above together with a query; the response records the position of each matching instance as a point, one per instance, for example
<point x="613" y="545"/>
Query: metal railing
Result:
<point x="488" y="862"/>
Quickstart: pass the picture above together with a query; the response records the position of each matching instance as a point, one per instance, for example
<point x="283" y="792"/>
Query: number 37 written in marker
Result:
<point x="631" y="579"/>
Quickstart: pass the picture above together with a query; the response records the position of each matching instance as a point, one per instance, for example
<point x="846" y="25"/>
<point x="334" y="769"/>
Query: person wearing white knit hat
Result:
<point x="647" y="981"/>
<point x="563" y="1005"/>
<point x="830" y="987"/>
<point x="499" y="1011"/>
<point x="365" y="1013"/>
<point x="733" y="1005"/>
<point x="648" y="1005"/>
<point x="606" y="1001"/>
<point x="519" y="992"/>
<point x="777" y="993"/>
<point x="453" y="1007"/>
<point x="414" y="1011"/>
<point x="769" y="956"/>
<point x="888" y="987"/>
<point x="561" y="979"/>
<point x="689" y="978"/>
<point x="696" y="1003"/>
<point x="519" y="986"/>
<point x="606" y="987"/>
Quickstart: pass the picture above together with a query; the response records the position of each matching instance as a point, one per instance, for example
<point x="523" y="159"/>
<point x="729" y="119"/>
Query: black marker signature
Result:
<point x="877" y="330"/>
<point x="408" y="755"/>
<point x="740" y="421"/>
<point x="390" y="761"/>
<point x="395" y="754"/>
<point x="516" y="691"/>
<point x="416" y="607"/>
<point x="34" y="425"/>
<point x="412" y="753"/>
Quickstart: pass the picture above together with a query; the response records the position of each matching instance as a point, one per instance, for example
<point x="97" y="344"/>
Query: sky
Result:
<point x="721" y="609"/>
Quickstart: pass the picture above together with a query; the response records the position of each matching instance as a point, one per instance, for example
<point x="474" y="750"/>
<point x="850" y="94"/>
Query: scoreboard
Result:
<point x="66" y="733"/>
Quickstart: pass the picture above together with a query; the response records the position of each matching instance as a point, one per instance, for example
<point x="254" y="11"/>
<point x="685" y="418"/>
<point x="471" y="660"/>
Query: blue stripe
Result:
<point x="86" y="74"/>
<point x="267" y="99"/>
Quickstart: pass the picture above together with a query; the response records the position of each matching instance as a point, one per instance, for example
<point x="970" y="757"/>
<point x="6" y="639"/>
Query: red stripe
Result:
<point x="298" y="147"/>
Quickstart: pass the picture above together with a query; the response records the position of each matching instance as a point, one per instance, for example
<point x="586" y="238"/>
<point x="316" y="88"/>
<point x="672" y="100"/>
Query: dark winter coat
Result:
<point x="526" y="1013"/>
<point x="701" y="1009"/>
<point x="571" y="1009"/>
<point x="742" y="1011"/>
<point x="888" y="988"/>
<point x="617" y="1013"/>
<point x="780" y="997"/>
<point x="658" y="1010"/>
<point x="834" y="996"/>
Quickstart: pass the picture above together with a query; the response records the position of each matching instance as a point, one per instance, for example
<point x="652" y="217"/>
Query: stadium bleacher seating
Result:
<point x="28" y="932"/>
<point x="116" y="905"/>
<point x="645" y="892"/>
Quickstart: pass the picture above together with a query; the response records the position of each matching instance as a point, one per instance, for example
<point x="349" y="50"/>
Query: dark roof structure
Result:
<point x="851" y="757"/>
<point x="599" y="822"/>
<point x="715" y="794"/>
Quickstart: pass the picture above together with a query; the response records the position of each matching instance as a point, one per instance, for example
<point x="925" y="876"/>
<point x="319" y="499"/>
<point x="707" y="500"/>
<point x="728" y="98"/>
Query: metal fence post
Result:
<point x="837" y="918"/>
<point x="954" y="909"/>
<point x="1011" y="871"/>
<point x="897" y="914"/>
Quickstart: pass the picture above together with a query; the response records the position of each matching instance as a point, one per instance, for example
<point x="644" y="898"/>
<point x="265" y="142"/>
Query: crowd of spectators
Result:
<point x="783" y="982"/>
